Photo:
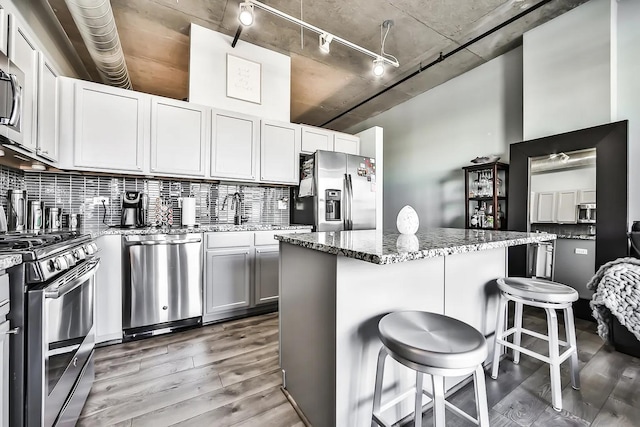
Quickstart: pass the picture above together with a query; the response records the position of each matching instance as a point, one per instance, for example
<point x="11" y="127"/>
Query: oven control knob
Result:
<point x="91" y="248"/>
<point x="61" y="263"/>
<point x="51" y="265"/>
<point x="70" y="260"/>
<point x="78" y="254"/>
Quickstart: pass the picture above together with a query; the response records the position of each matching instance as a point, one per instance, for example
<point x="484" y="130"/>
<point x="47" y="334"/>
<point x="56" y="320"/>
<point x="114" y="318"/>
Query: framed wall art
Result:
<point x="244" y="79"/>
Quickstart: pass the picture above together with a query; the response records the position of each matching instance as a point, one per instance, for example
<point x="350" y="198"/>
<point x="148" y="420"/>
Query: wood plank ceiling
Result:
<point x="155" y="39"/>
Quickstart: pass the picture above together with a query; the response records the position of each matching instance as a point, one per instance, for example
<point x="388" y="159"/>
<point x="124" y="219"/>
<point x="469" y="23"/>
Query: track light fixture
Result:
<point x="378" y="67"/>
<point x="325" y="38"/>
<point x="246" y="14"/>
<point x="325" y="41"/>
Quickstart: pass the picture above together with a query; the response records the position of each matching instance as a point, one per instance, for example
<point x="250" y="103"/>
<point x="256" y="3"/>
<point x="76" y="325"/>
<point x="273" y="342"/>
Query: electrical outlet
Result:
<point x="98" y="200"/>
<point x="580" y="251"/>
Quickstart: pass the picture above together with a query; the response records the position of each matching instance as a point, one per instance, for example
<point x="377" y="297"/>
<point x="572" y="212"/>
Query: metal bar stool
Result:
<point x="437" y="345"/>
<point x="550" y="296"/>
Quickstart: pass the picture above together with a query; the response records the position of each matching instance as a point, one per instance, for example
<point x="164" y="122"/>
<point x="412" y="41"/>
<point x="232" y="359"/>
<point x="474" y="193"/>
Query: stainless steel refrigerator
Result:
<point x="337" y="192"/>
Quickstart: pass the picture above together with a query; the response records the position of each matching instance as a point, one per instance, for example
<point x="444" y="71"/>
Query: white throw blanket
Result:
<point x="617" y="292"/>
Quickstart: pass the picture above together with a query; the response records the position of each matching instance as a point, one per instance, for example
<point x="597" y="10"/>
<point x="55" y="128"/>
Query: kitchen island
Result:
<point x="336" y="286"/>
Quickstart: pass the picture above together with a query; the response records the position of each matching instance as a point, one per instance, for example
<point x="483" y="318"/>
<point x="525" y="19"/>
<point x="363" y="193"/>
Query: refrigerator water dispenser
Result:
<point x="332" y="205"/>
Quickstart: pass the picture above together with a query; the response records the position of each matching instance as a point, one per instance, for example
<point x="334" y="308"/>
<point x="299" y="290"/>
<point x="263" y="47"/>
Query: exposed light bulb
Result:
<point x="246" y="14"/>
<point x="378" y="67"/>
<point x="38" y="167"/>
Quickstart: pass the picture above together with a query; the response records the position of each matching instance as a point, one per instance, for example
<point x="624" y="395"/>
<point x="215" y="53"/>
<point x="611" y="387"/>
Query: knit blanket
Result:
<point x="617" y="292"/>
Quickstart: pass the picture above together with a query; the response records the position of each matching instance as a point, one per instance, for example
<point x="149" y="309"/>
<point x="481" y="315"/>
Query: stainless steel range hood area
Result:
<point x="559" y="161"/>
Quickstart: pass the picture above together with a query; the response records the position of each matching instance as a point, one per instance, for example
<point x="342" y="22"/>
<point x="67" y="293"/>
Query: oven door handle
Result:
<point x="53" y="291"/>
<point x="164" y="242"/>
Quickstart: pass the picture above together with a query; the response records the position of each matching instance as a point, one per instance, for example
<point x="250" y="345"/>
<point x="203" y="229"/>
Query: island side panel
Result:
<point x="365" y="292"/>
<point x="307" y="330"/>
<point x="471" y="291"/>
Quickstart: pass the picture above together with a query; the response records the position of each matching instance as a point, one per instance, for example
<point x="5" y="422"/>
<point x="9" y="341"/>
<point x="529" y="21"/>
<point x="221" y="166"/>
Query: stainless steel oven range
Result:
<point x="51" y="358"/>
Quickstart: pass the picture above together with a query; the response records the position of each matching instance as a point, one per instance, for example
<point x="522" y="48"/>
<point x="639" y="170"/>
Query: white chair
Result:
<point x="436" y="345"/>
<point x="549" y="296"/>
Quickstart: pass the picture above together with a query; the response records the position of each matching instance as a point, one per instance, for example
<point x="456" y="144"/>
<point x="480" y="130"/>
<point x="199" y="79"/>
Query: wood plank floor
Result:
<point x="228" y="375"/>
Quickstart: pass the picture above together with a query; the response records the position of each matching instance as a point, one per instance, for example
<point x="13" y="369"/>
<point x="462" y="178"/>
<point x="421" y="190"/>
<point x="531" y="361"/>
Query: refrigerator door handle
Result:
<point x="350" y="195"/>
<point x="345" y="201"/>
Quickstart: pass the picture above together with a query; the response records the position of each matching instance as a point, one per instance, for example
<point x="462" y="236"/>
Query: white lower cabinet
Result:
<point x="227" y="281"/>
<point x="241" y="273"/>
<point x="266" y="274"/>
<point x="108" y="293"/>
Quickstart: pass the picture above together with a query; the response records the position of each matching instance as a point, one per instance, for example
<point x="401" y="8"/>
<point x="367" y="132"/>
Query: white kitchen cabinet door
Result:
<point x="546" y="211"/>
<point x="47" y="139"/>
<point x="4" y="31"/>
<point x="279" y="152"/>
<point x="234" y="145"/>
<point x="108" y="293"/>
<point x="23" y="53"/>
<point x="587" y="196"/>
<point x="316" y="139"/>
<point x="227" y="281"/>
<point x="266" y="274"/>
<point x="566" y="212"/>
<point x="345" y="143"/>
<point x="178" y="137"/>
<point x="109" y="128"/>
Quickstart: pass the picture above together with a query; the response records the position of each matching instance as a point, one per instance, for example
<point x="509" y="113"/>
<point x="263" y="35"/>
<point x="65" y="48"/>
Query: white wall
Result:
<point x="567" y="75"/>
<point x="573" y="179"/>
<point x="208" y="75"/>
<point x="372" y="145"/>
<point x="628" y="91"/>
<point x="429" y="138"/>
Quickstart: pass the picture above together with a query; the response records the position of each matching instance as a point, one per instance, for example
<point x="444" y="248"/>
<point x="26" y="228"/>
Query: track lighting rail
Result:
<point x="319" y="31"/>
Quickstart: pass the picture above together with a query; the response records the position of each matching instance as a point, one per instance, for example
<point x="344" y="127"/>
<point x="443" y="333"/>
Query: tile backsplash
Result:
<point x="75" y="193"/>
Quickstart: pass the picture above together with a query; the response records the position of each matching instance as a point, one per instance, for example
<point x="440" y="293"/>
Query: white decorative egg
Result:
<point x="407" y="220"/>
<point x="407" y="243"/>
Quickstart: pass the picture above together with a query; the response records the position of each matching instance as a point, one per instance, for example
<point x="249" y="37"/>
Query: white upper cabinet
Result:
<point x="178" y="137"/>
<point x="279" y="152"/>
<point x="234" y="146"/>
<point x="345" y="143"/>
<point x="109" y="128"/>
<point x="546" y="209"/>
<point x="587" y="196"/>
<point x="23" y="53"/>
<point x="566" y="212"/>
<point x="316" y="139"/>
<point x="4" y="31"/>
<point x="47" y="136"/>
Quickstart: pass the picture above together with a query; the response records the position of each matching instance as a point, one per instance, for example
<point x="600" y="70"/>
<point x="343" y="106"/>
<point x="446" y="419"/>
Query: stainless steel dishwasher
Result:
<point x="162" y="283"/>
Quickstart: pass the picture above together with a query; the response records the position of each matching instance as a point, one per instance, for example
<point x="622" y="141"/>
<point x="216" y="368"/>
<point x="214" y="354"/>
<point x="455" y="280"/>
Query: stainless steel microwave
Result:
<point x="10" y="100"/>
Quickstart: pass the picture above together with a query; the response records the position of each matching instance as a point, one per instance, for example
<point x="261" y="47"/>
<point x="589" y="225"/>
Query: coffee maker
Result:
<point x="134" y="209"/>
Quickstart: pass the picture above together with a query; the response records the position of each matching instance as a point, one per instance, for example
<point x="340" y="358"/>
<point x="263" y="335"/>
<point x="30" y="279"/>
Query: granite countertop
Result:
<point x="577" y="236"/>
<point x="99" y="231"/>
<point x="7" y="261"/>
<point x="388" y="248"/>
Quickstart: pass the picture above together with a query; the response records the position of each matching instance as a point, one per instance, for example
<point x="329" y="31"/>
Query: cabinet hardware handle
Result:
<point x="13" y="331"/>
<point x="75" y="361"/>
<point x="164" y="307"/>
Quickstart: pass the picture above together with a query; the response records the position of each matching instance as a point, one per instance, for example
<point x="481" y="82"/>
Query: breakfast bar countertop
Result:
<point x="381" y="247"/>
